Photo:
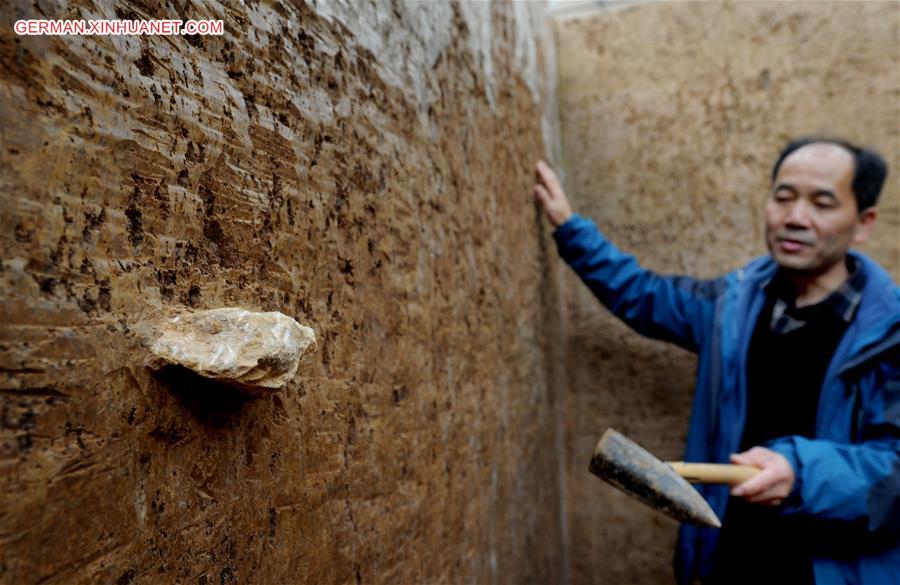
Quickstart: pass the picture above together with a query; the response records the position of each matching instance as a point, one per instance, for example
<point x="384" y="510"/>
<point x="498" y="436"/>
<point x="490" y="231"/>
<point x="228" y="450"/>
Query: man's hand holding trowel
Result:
<point x="774" y="481"/>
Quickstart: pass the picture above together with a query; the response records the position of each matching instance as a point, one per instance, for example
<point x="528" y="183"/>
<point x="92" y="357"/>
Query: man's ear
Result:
<point x="864" y="225"/>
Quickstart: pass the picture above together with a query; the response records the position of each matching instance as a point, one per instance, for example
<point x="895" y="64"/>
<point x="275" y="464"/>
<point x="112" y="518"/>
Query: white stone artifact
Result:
<point x="254" y="350"/>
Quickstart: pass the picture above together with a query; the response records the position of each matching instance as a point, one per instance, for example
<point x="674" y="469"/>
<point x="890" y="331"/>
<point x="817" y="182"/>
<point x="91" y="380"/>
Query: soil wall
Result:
<point x="363" y="167"/>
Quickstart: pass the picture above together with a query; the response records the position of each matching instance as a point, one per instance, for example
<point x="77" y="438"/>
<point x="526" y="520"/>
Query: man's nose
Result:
<point x="798" y="214"/>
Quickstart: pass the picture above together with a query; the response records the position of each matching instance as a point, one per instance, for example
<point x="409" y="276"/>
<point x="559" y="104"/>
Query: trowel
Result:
<point x="662" y="486"/>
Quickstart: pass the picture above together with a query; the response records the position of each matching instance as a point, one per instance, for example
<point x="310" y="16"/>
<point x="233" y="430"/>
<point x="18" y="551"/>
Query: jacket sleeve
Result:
<point x="671" y="308"/>
<point x="858" y="483"/>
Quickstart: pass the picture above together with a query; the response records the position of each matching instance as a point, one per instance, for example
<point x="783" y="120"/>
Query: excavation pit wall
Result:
<point x="362" y="168"/>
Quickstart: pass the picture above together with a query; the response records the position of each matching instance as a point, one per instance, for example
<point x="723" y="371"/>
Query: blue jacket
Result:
<point x="848" y="477"/>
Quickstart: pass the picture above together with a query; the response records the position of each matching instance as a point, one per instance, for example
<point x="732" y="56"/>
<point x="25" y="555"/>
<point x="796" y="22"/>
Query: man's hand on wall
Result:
<point x="549" y="193"/>
<point x="772" y="484"/>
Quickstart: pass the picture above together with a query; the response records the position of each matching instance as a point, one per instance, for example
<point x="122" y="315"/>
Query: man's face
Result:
<point x="811" y="214"/>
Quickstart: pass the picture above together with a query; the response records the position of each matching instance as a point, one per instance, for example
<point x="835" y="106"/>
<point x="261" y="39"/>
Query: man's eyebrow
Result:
<point x="787" y="186"/>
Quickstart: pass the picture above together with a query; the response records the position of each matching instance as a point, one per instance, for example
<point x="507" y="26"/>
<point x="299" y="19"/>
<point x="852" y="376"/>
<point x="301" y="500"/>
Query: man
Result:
<point x="798" y="375"/>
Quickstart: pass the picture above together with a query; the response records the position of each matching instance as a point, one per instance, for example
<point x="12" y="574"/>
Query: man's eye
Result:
<point x="824" y="203"/>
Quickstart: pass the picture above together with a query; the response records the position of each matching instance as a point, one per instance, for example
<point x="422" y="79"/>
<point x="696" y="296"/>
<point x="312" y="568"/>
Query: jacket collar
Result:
<point x="877" y="319"/>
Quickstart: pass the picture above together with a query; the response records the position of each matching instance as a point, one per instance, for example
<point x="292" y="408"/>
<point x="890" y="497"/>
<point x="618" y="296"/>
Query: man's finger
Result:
<point x="541" y="194"/>
<point x="548" y="178"/>
<point x="772" y="496"/>
<point x="539" y="170"/>
<point x="740" y="459"/>
<point x="756" y="485"/>
<point x="756" y="456"/>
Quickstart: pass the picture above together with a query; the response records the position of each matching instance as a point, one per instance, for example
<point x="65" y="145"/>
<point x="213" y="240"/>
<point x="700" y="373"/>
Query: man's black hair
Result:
<point x="869" y="171"/>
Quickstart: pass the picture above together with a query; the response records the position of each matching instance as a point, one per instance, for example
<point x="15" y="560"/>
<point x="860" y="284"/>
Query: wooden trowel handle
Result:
<point x="713" y="472"/>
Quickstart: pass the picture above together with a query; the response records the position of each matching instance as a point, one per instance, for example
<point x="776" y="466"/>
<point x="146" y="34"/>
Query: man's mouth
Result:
<point x="790" y="245"/>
